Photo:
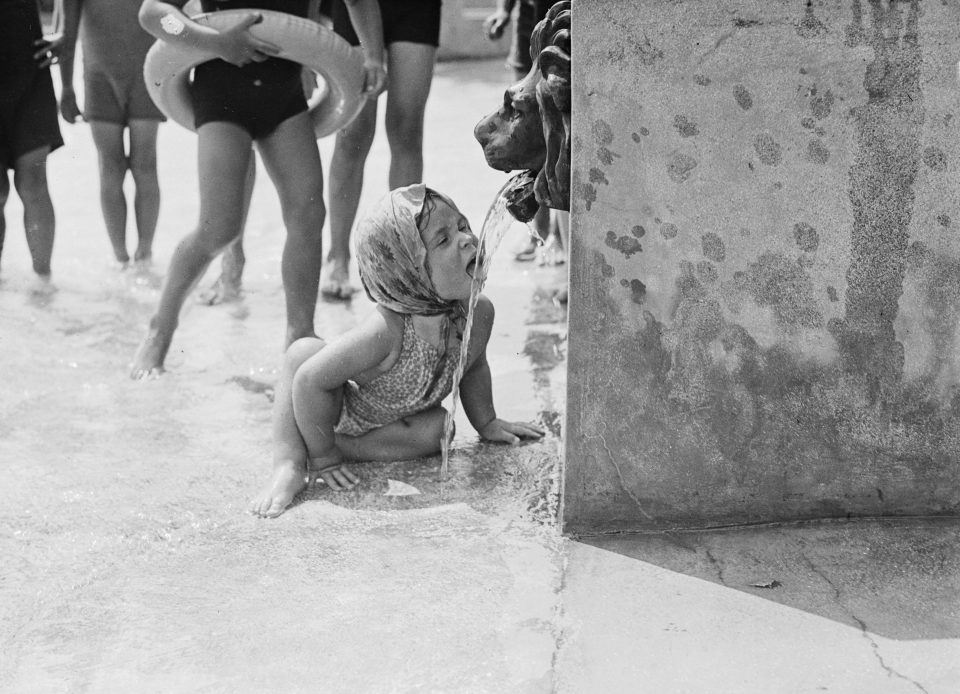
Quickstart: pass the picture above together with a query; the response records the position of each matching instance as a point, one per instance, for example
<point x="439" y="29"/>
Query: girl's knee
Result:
<point x="300" y="350"/>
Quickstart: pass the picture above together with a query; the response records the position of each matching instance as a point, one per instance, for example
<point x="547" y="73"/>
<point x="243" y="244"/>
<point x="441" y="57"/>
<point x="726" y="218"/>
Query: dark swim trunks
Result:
<point x="258" y="96"/>
<point x="28" y="105"/>
<point x="117" y="99"/>
<point x="414" y="21"/>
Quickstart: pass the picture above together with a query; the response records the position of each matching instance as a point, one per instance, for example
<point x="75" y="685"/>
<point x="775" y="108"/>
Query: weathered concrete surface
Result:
<point x="852" y="607"/>
<point x="764" y="287"/>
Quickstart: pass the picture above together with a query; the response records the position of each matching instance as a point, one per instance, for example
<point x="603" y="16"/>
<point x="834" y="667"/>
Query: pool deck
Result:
<point x="131" y="565"/>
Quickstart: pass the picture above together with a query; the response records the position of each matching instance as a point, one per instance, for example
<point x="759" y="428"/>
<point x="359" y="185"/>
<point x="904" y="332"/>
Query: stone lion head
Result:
<point x="530" y="131"/>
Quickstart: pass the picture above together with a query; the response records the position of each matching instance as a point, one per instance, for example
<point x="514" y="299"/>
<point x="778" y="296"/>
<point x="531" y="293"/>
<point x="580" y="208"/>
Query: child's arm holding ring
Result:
<point x="235" y="45"/>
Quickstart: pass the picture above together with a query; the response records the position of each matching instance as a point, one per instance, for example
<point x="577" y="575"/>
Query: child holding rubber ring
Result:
<point x="374" y="393"/>
<point x="248" y="96"/>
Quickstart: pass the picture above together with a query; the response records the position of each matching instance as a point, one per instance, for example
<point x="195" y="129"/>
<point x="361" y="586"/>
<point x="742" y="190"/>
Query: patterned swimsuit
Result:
<point x="407" y="388"/>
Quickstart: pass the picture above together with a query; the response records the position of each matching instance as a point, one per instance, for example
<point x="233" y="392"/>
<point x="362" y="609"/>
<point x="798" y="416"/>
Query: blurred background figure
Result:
<point x="116" y="103"/>
<point x="411" y="34"/>
<point x="29" y="127"/>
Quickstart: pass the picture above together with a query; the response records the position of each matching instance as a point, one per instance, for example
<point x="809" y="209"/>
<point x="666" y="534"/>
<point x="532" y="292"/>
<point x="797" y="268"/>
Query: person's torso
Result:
<point x="295" y="7"/>
<point x="111" y="37"/>
<point x="419" y="379"/>
<point x="19" y="30"/>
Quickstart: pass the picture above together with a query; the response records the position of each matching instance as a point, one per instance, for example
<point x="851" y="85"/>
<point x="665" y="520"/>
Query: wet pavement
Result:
<point x="130" y="563"/>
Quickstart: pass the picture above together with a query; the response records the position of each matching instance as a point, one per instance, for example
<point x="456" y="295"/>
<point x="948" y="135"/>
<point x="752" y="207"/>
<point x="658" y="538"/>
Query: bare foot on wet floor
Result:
<point x="335" y="282"/>
<point x="224" y="290"/>
<point x="287" y="480"/>
<point x="148" y="362"/>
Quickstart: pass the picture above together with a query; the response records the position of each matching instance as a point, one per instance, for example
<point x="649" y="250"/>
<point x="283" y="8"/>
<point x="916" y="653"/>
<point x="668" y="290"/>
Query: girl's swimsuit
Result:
<point x="258" y="96"/>
<point x="409" y="387"/>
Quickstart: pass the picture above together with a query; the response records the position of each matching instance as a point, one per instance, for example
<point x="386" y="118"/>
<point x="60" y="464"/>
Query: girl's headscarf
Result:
<point x="393" y="261"/>
<point x="392" y="257"/>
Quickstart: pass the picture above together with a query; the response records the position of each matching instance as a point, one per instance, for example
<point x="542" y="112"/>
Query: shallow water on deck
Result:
<point x="128" y="553"/>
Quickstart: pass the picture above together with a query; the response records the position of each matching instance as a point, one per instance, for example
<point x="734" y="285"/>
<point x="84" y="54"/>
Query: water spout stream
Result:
<point x="495" y="225"/>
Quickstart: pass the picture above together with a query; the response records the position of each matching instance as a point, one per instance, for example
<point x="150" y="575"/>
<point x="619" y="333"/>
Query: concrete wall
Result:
<point x="765" y="266"/>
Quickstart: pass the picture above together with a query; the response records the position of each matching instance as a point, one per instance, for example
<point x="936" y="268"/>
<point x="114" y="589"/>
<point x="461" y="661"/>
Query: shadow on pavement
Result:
<point x="898" y="578"/>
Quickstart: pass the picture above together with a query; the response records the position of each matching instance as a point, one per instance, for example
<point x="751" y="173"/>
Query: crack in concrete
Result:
<point x="560" y="633"/>
<point x="623" y="482"/>
<point x="717" y="566"/>
<point x="875" y="647"/>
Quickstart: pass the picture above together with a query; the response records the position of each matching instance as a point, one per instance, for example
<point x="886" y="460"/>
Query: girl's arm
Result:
<point x="317" y="383"/>
<point x="236" y="45"/>
<point x="366" y="20"/>
<point x="476" y="387"/>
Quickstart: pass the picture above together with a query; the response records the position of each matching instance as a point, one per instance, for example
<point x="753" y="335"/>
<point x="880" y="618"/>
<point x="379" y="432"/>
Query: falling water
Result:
<point x="495" y="226"/>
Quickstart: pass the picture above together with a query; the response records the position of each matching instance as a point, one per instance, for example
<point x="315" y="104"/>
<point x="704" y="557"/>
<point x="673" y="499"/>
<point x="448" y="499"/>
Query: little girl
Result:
<point x="374" y="393"/>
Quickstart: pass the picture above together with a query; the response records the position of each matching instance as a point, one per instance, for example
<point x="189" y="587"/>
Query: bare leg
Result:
<point x="4" y="195"/>
<point x="346" y="183"/>
<point x="30" y="180"/>
<point x="292" y="160"/>
<point x="416" y="436"/>
<point x="410" y="70"/>
<point x="227" y="286"/>
<point x="289" y="451"/>
<point x="146" y="201"/>
<point x="223" y="149"/>
<point x="108" y="138"/>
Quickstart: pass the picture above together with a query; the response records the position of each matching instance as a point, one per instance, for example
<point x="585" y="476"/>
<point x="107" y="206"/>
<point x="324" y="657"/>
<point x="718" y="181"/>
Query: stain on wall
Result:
<point x="781" y="345"/>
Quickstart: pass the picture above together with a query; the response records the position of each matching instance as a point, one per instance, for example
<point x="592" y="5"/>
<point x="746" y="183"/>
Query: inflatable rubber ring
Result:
<point x="167" y="67"/>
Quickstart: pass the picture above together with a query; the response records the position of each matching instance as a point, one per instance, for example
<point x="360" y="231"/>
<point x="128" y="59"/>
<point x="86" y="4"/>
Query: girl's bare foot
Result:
<point x="288" y="480"/>
<point x="148" y="362"/>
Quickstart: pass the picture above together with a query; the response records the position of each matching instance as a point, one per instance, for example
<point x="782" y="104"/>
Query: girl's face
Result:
<point x="451" y="251"/>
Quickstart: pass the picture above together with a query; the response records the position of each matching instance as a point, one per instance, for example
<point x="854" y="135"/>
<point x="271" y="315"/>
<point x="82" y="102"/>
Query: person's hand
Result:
<point x="494" y="25"/>
<point x="238" y="46"/>
<point x="374" y="78"/>
<point x="509" y="432"/>
<point x="49" y="50"/>
<point x="337" y="477"/>
<point x="68" y="105"/>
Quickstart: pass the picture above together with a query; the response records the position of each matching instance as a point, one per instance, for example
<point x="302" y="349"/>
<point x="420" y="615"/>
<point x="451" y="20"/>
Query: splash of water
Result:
<point x="495" y="225"/>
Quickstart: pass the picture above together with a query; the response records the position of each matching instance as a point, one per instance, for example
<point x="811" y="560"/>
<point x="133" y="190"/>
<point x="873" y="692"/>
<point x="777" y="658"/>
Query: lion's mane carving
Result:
<point x="531" y="130"/>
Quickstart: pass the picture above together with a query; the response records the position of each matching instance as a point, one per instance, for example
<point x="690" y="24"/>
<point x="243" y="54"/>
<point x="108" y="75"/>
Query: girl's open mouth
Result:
<point x="471" y="267"/>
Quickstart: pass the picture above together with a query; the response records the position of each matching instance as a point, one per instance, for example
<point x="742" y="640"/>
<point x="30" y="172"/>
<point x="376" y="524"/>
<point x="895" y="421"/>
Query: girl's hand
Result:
<point x="509" y="432"/>
<point x="339" y="478"/>
<point x="238" y="46"/>
<point x="375" y="78"/>
<point x="331" y="471"/>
